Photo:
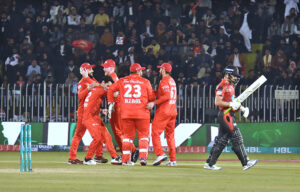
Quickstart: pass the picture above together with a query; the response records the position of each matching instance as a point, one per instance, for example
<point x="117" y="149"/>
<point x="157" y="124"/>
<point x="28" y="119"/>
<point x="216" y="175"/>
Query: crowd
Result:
<point x="198" y="38"/>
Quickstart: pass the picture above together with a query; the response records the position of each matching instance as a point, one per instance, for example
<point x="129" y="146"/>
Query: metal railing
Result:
<point x="58" y="103"/>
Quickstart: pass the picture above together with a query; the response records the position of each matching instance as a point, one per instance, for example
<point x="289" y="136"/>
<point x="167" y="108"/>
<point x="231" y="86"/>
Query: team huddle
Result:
<point x="130" y="100"/>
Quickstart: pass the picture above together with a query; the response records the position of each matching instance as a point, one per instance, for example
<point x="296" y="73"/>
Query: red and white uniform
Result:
<point x="115" y="120"/>
<point x="93" y="122"/>
<point x="80" y="128"/>
<point x="134" y="92"/>
<point x="165" y="116"/>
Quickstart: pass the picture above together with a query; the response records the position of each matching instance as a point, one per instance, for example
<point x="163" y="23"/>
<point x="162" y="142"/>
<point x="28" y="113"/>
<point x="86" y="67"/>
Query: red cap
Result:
<point x="136" y="67"/>
<point x="87" y="66"/>
<point x="109" y="63"/>
<point x="166" y="66"/>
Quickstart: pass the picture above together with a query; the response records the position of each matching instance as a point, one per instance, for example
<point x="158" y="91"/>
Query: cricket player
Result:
<point x="94" y="124"/>
<point x="115" y="118"/>
<point x="135" y="93"/>
<point x="84" y="86"/>
<point x="165" y="116"/>
<point x="228" y="129"/>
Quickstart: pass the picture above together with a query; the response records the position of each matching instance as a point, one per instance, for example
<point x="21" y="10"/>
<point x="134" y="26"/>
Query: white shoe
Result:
<point x="116" y="161"/>
<point x="160" y="159"/>
<point x="213" y="167"/>
<point x="250" y="164"/>
<point x="90" y="162"/>
<point x="171" y="163"/>
<point x="128" y="163"/>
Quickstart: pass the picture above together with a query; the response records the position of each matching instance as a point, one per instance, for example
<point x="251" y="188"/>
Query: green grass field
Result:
<point x="52" y="173"/>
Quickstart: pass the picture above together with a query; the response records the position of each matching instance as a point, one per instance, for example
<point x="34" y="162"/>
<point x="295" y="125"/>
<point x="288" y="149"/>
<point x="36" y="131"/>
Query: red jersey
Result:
<point x="82" y="92"/>
<point x="135" y="92"/>
<point x="226" y="90"/>
<point x="93" y="101"/>
<point x="166" y="97"/>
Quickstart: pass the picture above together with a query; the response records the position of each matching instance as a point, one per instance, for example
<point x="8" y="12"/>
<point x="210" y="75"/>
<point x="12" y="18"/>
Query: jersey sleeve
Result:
<point x="111" y="90"/>
<point x="164" y="93"/>
<point x="82" y="90"/>
<point x="219" y="91"/>
<point x="151" y="93"/>
<point x="114" y="77"/>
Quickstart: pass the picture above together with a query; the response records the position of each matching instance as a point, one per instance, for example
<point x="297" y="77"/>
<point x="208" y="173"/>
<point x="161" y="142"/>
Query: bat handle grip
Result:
<point x="227" y="110"/>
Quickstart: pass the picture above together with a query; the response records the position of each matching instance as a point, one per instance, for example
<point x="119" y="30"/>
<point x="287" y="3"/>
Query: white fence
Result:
<point x="58" y="103"/>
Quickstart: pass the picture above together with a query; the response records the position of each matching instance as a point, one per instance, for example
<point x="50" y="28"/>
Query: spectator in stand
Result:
<point x="54" y="10"/>
<point x="71" y="79"/>
<point x="71" y="68"/>
<point x="274" y="29"/>
<point x="267" y="59"/>
<point x="56" y="35"/>
<point x="154" y="46"/>
<point x="208" y="17"/>
<point x="20" y="82"/>
<point x="284" y="80"/>
<point x="101" y="20"/>
<point x="11" y="64"/>
<point x="118" y="11"/>
<point x="29" y="11"/>
<point x="107" y="38"/>
<point x="237" y="60"/>
<point x="147" y="32"/>
<point x="132" y="57"/>
<point x="130" y="11"/>
<point x="120" y="58"/>
<point x="33" y="69"/>
<point x="202" y="59"/>
<point x="290" y="4"/>
<point x="59" y="19"/>
<point x="89" y="16"/>
<point x="280" y="61"/>
<point x="197" y="47"/>
<point x="286" y="26"/>
<point x="74" y="18"/>
<point x="214" y="51"/>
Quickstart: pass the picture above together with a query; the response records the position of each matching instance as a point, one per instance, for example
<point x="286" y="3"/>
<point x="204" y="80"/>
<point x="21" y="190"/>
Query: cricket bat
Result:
<point x="251" y="89"/>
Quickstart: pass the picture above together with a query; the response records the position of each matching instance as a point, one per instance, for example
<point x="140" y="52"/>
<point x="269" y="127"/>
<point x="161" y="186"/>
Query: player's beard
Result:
<point x="160" y="75"/>
<point x="91" y="75"/>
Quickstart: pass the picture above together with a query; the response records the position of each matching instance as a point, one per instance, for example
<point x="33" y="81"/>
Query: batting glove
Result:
<point x="245" y="111"/>
<point x="235" y="104"/>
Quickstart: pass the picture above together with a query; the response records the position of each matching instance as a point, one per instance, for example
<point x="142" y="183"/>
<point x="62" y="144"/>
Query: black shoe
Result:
<point x="74" y="162"/>
<point x="100" y="159"/>
<point x="135" y="156"/>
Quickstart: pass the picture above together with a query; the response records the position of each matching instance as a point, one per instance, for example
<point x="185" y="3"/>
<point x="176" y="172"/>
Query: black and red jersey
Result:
<point x="226" y="90"/>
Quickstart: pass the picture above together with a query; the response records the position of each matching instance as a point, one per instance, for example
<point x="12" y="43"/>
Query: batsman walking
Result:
<point x="228" y="129"/>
